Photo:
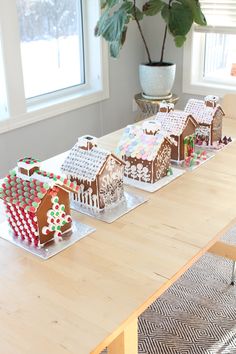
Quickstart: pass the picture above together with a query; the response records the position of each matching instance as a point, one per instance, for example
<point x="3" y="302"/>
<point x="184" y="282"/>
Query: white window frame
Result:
<point x="221" y="18"/>
<point x="22" y="112"/>
<point x="193" y="61"/>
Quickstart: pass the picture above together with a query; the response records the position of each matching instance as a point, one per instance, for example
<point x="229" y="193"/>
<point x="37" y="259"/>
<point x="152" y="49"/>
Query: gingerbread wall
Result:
<point x="162" y="161"/>
<point x="175" y="148"/>
<point x="46" y="205"/>
<point x="138" y="169"/>
<point x="216" y="130"/>
<point x="88" y="192"/>
<point x="110" y="183"/>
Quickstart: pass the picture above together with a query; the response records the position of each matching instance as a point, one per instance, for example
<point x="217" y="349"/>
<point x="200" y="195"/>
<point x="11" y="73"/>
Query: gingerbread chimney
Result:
<point x="211" y="101"/>
<point x="27" y="166"/>
<point x="87" y="142"/>
<point x="151" y="127"/>
<point x="166" y="107"/>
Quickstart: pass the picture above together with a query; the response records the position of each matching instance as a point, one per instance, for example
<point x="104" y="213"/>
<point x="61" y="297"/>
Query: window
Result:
<point x="51" y="45"/>
<point x="50" y="60"/>
<point x="211" y="50"/>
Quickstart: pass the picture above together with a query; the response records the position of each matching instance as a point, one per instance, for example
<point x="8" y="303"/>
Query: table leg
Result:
<point x="127" y="341"/>
<point x="233" y="273"/>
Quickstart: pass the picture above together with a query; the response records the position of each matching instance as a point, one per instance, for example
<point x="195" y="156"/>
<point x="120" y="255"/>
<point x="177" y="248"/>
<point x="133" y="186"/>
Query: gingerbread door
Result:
<point x="188" y="146"/>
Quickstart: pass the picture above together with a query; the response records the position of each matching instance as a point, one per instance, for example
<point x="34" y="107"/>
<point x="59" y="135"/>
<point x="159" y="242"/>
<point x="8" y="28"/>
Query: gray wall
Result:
<point x="55" y="135"/>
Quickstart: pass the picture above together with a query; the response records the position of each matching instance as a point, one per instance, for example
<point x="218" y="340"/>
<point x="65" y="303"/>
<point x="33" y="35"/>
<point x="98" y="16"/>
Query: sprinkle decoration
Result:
<point x="56" y="218"/>
<point x="29" y="193"/>
<point x="29" y="160"/>
<point x="23" y="223"/>
<point x="137" y="144"/>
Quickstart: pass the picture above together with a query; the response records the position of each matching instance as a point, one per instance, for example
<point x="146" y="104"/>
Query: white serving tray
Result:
<point x="53" y="247"/>
<point x="153" y="187"/>
<point x="109" y="215"/>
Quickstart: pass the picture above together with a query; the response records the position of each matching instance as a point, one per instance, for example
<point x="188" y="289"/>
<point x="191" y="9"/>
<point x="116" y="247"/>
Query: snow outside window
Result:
<point x="50" y="60"/>
<point x="210" y="52"/>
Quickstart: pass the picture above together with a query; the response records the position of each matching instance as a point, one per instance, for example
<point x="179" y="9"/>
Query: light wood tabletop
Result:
<point x="90" y="295"/>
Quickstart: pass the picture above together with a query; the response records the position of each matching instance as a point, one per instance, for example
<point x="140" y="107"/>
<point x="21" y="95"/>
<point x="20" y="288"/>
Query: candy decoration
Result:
<point x="56" y="217"/>
<point x="22" y="198"/>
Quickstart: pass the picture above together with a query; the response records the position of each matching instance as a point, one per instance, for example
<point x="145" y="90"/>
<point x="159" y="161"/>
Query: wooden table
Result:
<point x="89" y="296"/>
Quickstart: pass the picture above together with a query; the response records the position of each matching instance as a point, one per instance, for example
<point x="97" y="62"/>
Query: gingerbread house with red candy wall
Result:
<point x="37" y="202"/>
<point x="209" y="115"/>
<point x="146" y="151"/>
<point x="98" y="172"/>
<point x="181" y="127"/>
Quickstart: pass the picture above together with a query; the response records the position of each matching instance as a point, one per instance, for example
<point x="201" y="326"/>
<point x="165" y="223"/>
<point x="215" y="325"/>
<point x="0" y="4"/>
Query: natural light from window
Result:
<point x="220" y="57"/>
<point x="50" y="61"/>
<point x="210" y="51"/>
<point x="51" y="45"/>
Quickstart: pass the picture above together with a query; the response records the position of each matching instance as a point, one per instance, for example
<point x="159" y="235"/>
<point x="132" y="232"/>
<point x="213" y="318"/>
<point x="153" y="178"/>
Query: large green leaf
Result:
<point x="114" y="48"/>
<point x="195" y="7"/>
<point x="123" y="36"/>
<point x="111" y="26"/>
<point x="179" y="40"/>
<point x="108" y="3"/>
<point x="180" y="19"/>
<point x="103" y="4"/>
<point x="100" y="26"/>
<point x="128" y="6"/>
<point x="152" y="7"/>
<point x="165" y="13"/>
<point x="138" y="13"/>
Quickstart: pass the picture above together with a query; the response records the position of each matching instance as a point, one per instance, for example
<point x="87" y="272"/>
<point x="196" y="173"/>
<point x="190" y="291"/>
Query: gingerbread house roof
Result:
<point x="28" y="194"/>
<point x="202" y="113"/>
<point x="174" y="122"/>
<point x="136" y="143"/>
<point x="85" y="164"/>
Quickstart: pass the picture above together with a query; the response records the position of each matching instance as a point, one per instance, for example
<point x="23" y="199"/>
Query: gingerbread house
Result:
<point x="181" y="128"/>
<point x="209" y="115"/>
<point x="36" y="202"/>
<point x="146" y="151"/>
<point x="98" y="172"/>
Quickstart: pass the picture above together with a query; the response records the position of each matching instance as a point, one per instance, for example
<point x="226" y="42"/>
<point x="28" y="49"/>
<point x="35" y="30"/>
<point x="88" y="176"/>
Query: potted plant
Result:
<point x="156" y="78"/>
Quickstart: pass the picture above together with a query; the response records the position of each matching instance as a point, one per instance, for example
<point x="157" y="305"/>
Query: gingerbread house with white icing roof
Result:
<point x="98" y="172"/>
<point x="181" y="127"/>
<point x="146" y="151"/>
<point x="209" y="115"/>
<point x="37" y="202"/>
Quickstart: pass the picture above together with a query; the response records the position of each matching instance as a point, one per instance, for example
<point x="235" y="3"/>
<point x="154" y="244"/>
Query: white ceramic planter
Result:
<point x="157" y="81"/>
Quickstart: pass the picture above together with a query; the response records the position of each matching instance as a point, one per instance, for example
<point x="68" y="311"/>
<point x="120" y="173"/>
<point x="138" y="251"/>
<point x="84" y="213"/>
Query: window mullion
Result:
<point x="10" y="39"/>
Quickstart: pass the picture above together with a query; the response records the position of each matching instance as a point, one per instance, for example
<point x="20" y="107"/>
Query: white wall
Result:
<point x="154" y="30"/>
<point x="52" y="136"/>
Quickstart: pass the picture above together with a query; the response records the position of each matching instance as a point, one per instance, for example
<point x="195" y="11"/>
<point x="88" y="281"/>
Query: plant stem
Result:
<point x="163" y="45"/>
<point x="164" y="38"/>
<point x="141" y="33"/>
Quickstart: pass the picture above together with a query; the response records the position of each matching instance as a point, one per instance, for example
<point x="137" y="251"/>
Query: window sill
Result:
<point x="204" y="88"/>
<point x="37" y="113"/>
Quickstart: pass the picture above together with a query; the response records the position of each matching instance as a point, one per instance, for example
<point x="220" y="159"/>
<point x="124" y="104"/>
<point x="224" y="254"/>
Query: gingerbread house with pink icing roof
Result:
<point x="146" y="151"/>
<point x="181" y="127"/>
<point x="36" y="202"/>
<point x="209" y="115"/>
